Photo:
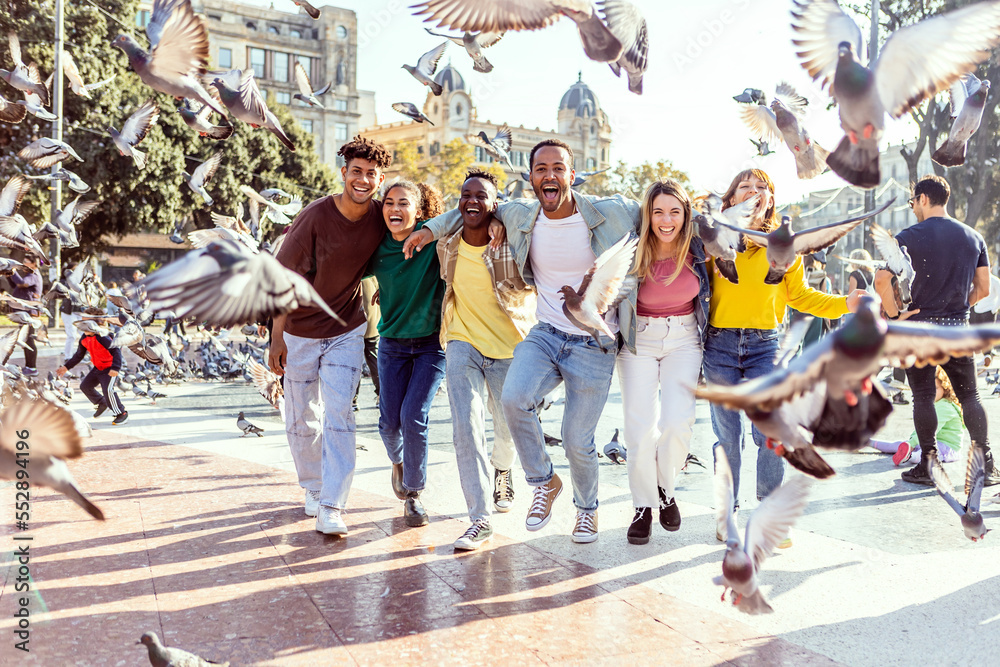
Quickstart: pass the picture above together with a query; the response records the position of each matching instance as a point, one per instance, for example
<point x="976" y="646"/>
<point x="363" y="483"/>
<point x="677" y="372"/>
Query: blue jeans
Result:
<point x="320" y="376"/>
<point x="546" y="357"/>
<point x="475" y="384"/>
<point x="732" y="355"/>
<point x="410" y="371"/>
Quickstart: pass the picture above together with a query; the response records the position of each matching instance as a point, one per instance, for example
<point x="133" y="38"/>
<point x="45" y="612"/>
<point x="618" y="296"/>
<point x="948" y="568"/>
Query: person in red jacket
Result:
<point x="107" y="362"/>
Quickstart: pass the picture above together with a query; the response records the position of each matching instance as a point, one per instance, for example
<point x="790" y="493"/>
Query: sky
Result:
<point x="701" y="55"/>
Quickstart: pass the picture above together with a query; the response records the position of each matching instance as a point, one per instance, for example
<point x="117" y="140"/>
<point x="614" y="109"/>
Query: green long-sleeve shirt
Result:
<point x="410" y="290"/>
<point x="950" y="426"/>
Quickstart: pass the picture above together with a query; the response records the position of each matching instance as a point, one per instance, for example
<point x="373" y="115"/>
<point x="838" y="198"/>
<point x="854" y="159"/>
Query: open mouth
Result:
<point x="550" y="192"/>
<point x="666" y="231"/>
<point x="395" y="219"/>
<point x="473" y="210"/>
<point x="361" y="191"/>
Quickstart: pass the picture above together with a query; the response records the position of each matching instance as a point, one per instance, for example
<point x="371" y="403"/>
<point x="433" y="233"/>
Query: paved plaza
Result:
<point x="206" y="544"/>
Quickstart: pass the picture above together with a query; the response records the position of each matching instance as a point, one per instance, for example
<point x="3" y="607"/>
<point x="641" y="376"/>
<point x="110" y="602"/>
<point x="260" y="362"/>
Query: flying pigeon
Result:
<point x="23" y="77"/>
<point x="75" y="183"/>
<point x="411" y="110"/>
<point x="897" y="261"/>
<point x="767" y="527"/>
<point x="198" y="121"/>
<point x="306" y="92"/>
<point x="76" y="81"/>
<point x="614" y="450"/>
<point x="74" y="214"/>
<point x="604" y="285"/>
<point x="44" y="152"/>
<point x="178" y="59"/>
<point x="498" y="147"/>
<point x="162" y="12"/>
<point x="247" y="427"/>
<point x="810" y="157"/>
<point x="268" y="384"/>
<point x="13" y="192"/>
<point x="723" y="240"/>
<point x="916" y="62"/>
<point x="762" y="148"/>
<point x="580" y="179"/>
<point x="599" y="43"/>
<point x="784" y="245"/>
<point x="11" y="112"/>
<point x="968" y="97"/>
<point x="247" y="104"/>
<point x="278" y="212"/>
<point x="762" y="121"/>
<point x="202" y="175"/>
<point x="310" y="10"/>
<point x="162" y="656"/>
<point x="53" y="438"/>
<point x="474" y="43"/>
<point x="225" y="284"/>
<point x="426" y="66"/>
<point x="129" y="334"/>
<point x="975" y="477"/>
<point x="135" y="130"/>
<point x="628" y="26"/>
<point x="16" y="233"/>
<point x="33" y="104"/>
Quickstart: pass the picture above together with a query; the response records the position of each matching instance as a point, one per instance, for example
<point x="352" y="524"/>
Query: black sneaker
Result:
<point x="101" y="407"/>
<point x="413" y="511"/>
<point x="503" y="490"/>
<point x="29" y="371"/>
<point x="121" y="419"/>
<point x="919" y="474"/>
<point x="478" y="534"/>
<point x="670" y="514"/>
<point x="992" y="476"/>
<point x="642" y="526"/>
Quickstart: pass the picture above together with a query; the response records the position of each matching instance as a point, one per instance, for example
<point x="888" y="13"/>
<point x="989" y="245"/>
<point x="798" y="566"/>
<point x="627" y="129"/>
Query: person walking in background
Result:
<point x="662" y="356"/>
<point x="107" y="362"/>
<point x="71" y="310"/>
<point x="862" y="276"/>
<point x="28" y="286"/>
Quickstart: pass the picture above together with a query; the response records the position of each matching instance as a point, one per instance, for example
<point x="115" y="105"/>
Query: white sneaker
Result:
<point x="329" y="521"/>
<point x="312" y="503"/>
<point x="585" y="530"/>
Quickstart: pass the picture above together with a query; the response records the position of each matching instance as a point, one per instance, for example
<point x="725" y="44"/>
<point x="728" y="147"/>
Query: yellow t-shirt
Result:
<point x="477" y="317"/>
<point x="752" y="304"/>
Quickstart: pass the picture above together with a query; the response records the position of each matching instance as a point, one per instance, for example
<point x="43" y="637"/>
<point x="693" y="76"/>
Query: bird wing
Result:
<point x="302" y="79"/>
<point x="738" y="215"/>
<point x="502" y="140"/>
<point x="162" y="9"/>
<point x="206" y="170"/>
<point x="889" y="250"/>
<point x="960" y="91"/>
<point x="975" y="478"/>
<point x="921" y="343"/>
<point x="52" y="430"/>
<point x="12" y="194"/>
<point x="817" y="238"/>
<point x="183" y="46"/>
<point x="760" y="236"/>
<point x="83" y="210"/>
<point x="15" y="48"/>
<point x="724" y="501"/>
<point x="250" y="96"/>
<point x="770" y="522"/>
<point x="780" y="385"/>
<point x="628" y="24"/>
<point x="137" y="126"/>
<point x="429" y="61"/>
<point x="406" y="108"/>
<point x="253" y="195"/>
<point x="225" y="221"/>
<point x="497" y="16"/>
<point x="944" y="486"/>
<point x="609" y="273"/>
<point x="201" y="238"/>
<point x="820" y="26"/>
<point x="790" y="97"/>
<point x="920" y="60"/>
<point x="456" y="40"/>
<point x="72" y="72"/>
<point x="266" y="382"/>
<point x="98" y="84"/>
<point x="761" y="121"/>
<point x="488" y="39"/>
<point x="792" y="338"/>
<point x="874" y="264"/>
<point x="476" y="140"/>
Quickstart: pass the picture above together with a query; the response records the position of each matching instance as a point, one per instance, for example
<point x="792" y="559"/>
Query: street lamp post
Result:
<point x="867" y="242"/>
<point x="55" y="270"/>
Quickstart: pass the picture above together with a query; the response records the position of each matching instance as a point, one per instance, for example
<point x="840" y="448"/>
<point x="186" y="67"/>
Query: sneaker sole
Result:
<point x="548" y="516"/>
<point x="585" y="539"/>
<point x="313" y="513"/>
<point x="471" y="546"/>
<point x="331" y="531"/>
<point x="416" y="522"/>
<point x="636" y="540"/>
<point x="501" y="510"/>
<point x="898" y="458"/>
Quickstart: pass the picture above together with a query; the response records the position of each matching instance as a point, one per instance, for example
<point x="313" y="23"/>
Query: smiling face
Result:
<point x="362" y="179"/>
<point x="746" y="189"/>
<point x="479" y="199"/>
<point x="552" y="175"/>
<point x="399" y="208"/>
<point x="667" y="220"/>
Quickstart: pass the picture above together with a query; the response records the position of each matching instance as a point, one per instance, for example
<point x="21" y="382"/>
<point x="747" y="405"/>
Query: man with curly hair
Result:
<point x="330" y="244"/>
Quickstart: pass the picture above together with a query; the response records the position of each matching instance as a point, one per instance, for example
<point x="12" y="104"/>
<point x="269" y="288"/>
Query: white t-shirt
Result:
<point x="560" y="254"/>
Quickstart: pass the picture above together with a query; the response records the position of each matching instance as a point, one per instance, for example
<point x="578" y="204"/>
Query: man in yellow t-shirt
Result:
<point x="486" y="312"/>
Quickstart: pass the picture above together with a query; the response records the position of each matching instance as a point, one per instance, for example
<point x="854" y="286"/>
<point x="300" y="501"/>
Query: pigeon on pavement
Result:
<point x="915" y="63"/>
<point x="203" y="173"/>
<point x="44" y="152"/>
<point x="604" y="285"/>
<point x="409" y="109"/>
<point x="135" y="130"/>
<point x="426" y="66"/>
<point x="163" y="656"/>
<point x="975" y="477"/>
<point x="615" y="451"/>
<point x="498" y="147"/>
<point x="247" y="427"/>
<point x="239" y="92"/>
<point x="306" y="92"/>
<point x="474" y="43"/>
<point x="768" y="525"/>
<point x="23" y="77"/>
<point x="198" y="121"/>
<point x="628" y="25"/>
<point x="968" y="98"/>
<point x="723" y="240"/>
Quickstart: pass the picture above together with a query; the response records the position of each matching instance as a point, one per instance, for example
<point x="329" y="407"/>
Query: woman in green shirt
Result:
<point x="410" y="358"/>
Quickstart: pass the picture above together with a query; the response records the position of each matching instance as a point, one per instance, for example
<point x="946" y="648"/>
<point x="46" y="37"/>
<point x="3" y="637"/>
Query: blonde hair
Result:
<point x="770" y="215"/>
<point x="862" y="254"/>
<point x="949" y="391"/>
<point x="646" y="250"/>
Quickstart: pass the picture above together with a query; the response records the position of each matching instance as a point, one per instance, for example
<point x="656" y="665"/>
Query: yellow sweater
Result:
<point x="754" y="305"/>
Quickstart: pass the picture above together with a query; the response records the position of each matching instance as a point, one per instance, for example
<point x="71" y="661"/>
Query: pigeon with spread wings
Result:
<point x="628" y="25"/>
<point x="426" y="66"/>
<point x="897" y="261"/>
<point x="203" y="173"/>
<point x="239" y="92"/>
<point x="474" y="43"/>
<point x="44" y="152"/>
<point x="411" y="111"/>
<point x="975" y="478"/>
<point x="968" y="100"/>
<point x="498" y="147"/>
<point x="723" y="240"/>
<point x="23" y="77"/>
<point x="135" y="130"/>
<point x="306" y="93"/>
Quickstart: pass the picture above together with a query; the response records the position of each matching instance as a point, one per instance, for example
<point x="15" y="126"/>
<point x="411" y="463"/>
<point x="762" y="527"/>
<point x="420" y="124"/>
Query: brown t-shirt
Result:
<point x="332" y="252"/>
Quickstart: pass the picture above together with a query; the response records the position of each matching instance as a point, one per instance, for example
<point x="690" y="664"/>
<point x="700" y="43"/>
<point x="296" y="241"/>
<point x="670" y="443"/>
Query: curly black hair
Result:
<point x="485" y="175"/>
<point x="366" y="149"/>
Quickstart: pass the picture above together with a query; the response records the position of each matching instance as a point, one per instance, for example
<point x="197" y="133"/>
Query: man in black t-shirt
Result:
<point x="952" y="273"/>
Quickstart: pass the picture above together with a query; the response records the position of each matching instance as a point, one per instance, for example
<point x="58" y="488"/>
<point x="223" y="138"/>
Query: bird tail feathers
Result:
<point x="856" y="163"/>
<point x="436" y="87"/>
<point x="483" y="65"/>
<point x="139" y="157"/>
<point x="950" y="154"/>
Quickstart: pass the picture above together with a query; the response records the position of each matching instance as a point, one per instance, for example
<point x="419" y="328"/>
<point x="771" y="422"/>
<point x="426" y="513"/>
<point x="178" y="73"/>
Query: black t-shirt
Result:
<point x="945" y="255"/>
<point x="860" y="279"/>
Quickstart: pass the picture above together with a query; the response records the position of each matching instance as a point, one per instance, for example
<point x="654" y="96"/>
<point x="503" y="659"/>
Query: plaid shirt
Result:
<point x="515" y="298"/>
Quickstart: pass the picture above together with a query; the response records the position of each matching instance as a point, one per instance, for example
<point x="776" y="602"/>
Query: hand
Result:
<point x="416" y="241"/>
<point x="62" y="370"/>
<point x="276" y="358"/>
<point x="113" y="373"/>
<point x="907" y="315"/>
<point x="854" y="298"/>
<point x="498" y="234"/>
<point x="261" y="330"/>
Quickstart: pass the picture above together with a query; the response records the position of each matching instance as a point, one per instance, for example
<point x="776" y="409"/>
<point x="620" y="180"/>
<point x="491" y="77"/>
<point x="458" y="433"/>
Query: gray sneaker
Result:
<point x="478" y="534"/>
<point x="329" y="521"/>
<point x="312" y="503"/>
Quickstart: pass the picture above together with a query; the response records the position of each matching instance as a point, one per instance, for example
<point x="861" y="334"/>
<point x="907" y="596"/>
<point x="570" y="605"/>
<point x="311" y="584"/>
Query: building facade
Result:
<point x="580" y="121"/>
<point x="271" y="41"/>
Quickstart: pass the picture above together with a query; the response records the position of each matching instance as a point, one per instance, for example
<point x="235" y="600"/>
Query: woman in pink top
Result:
<point x="658" y="371"/>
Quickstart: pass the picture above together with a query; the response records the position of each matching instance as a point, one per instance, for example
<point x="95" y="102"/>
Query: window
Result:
<point x="458" y="109"/>
<point x="604" y="155"/>
<point x="296" y="33"/>
<point x="435" y="147"/>
<point x="280" y="65"/>
<point x="591" y="163"/>
<point x="341" y="32"/>
<point x="307" y="64"/>
<point x="435" y="108"/>
<point x="420" y="150"/>
<point x="283" y="98"/>
<point x="225" y="57"/>
<point x="593" y="130"/>
<point x="215" y="17"/>
<point x="251" y="25"/>
<point x="307" y="125"/>
<point x="142" y="18"/>
<point x="273" y="30"/>
<point x="480" y="154"/>
<point x="340" y="131"/>
<point x="340" y="105"/>
<point x="257" y="59"/>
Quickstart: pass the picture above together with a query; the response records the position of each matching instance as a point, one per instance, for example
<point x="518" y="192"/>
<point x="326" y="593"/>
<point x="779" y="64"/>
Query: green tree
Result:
<point x="454" y="160"/>
<point x="409" y="164"/>
<point x="632" y="181"/>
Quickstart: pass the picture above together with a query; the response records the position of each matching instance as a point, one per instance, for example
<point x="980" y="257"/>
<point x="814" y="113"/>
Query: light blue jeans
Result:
<point x="545" y="358"/>
<point x="475" y="384"/>
<point x="320" y="377"/>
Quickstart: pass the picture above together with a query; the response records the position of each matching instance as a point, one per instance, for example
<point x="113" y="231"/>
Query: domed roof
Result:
<point x="581" y="99"/>
<point x="450" y="78"/>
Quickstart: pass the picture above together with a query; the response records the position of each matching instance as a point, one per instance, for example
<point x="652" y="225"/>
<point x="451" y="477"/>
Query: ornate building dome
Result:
<point x="580" y="99"/>
<point x="450" y="79"/>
